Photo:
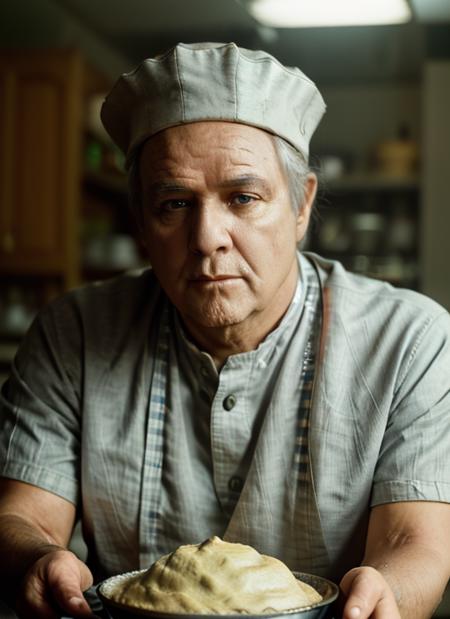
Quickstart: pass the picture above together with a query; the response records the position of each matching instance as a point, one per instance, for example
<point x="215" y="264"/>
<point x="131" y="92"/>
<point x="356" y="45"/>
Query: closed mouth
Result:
<point x="215" y="278"/>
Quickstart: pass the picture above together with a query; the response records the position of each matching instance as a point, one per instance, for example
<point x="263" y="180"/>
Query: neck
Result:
<point x="223" y="341"/>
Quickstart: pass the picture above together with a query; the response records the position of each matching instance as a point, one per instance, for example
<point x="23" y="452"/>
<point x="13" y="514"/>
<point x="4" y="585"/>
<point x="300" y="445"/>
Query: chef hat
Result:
<point x="212" y="81"/>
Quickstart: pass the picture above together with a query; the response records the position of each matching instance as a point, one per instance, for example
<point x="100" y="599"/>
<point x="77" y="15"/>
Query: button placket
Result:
<point x="230" y="428"/>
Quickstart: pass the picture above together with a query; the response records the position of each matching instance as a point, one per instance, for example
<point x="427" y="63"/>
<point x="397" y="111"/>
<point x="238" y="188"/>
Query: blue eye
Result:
<point x="243" y="199"/>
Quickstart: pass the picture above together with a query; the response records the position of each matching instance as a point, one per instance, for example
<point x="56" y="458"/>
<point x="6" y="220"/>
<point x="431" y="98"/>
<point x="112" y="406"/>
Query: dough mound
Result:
<point x="216" y="577"/>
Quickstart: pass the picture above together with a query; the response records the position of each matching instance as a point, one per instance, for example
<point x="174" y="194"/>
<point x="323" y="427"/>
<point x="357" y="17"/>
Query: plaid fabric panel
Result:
<point x="313" y="316"/>
<point x="152" y="486"/>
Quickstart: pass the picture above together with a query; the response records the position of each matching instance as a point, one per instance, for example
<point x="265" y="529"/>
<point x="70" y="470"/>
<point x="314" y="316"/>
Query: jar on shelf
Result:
<point x="367" y="231"/>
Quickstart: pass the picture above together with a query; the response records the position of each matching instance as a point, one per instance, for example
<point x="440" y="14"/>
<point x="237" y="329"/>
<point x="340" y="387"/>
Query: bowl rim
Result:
<point x="303" y="576"/>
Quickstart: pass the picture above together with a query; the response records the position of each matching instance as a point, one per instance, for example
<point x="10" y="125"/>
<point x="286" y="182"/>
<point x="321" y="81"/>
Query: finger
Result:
<point x="86" y="578"/>
<point x="368" y="595"/>
<point x="363" y="594"/>
<point x="71" y="600"/>
<point x="78" y="607"/>
<point x="67" y="580"/>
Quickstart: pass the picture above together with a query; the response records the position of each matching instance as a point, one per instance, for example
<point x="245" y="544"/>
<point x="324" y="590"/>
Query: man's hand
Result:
<point x="38" y="575"/>
<point x="55" y="584"/>
<point x="367" y="594"/>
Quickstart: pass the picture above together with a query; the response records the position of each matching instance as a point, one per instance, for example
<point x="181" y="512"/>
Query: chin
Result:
<point x="213" y="315"/>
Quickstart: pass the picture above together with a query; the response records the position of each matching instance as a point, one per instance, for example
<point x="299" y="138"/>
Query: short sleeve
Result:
<point x="39" y="405"/>
<point x="414" y="459"/>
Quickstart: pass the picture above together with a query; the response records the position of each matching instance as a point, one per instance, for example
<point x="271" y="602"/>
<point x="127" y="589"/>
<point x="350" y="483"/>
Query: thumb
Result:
<point x="68" y="579"/>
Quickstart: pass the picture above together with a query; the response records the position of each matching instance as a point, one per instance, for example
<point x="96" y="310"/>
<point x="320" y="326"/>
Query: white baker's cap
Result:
<point x="212" y="81"/>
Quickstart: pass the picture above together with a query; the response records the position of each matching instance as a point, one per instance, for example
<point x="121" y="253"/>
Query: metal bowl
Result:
<point x="327" y="589"/>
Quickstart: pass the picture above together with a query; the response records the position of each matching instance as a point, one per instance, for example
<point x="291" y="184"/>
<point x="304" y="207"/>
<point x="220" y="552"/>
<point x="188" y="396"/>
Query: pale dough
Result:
<point x="216" y="577"/>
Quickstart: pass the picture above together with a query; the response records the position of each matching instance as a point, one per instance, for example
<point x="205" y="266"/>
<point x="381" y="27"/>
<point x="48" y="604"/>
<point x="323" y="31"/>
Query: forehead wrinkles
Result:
<point x="254" y="149"/>
<point x="256" y="145"/>
<point x="208" y="149"/>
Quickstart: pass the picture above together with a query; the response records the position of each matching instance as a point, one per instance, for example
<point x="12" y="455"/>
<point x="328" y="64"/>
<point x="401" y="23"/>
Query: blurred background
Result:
<point x="381" y="152"/>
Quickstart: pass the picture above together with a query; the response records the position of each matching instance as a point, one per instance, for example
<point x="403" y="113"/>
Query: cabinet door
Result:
<point x="40" y="120"/>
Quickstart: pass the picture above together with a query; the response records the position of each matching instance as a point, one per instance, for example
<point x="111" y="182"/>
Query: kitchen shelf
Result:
<point x="370" y="222"/>
<point x="365" y="182"/>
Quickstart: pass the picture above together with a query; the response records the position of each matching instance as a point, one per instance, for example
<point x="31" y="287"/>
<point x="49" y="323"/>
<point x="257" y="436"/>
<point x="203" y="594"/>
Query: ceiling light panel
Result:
<point x="320" y="13"/>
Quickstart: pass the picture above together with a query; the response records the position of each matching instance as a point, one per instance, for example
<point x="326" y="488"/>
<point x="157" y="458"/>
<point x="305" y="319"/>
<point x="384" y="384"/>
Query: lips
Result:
<point x="214" y="278"/>
<point x="202" y="278"/>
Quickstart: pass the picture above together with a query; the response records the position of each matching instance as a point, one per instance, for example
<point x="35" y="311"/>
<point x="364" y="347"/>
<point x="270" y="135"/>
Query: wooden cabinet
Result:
<point x="42" y="102"/>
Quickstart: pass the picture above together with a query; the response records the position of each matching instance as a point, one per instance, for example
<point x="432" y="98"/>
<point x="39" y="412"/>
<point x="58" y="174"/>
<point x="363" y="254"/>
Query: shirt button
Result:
<point x="229" y="402"/>
<point x="204" y="371"/>
<point x="235" y="484"/>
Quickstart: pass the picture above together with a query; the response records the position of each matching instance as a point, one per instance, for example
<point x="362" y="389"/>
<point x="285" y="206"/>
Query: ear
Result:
<point x="305" y="209"/>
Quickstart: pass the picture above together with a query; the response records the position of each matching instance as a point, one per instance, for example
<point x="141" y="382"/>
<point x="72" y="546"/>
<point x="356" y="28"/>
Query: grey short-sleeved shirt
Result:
<point x="73" y="415"/>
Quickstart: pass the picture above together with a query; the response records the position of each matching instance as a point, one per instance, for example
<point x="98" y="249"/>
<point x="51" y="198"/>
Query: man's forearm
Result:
<point x="21" y="544"/>
<point x="35" y="527"/>
<point x="416" y="575"/>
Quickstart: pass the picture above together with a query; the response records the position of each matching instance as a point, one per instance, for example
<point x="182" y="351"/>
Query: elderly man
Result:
<point x="237" y="388"/>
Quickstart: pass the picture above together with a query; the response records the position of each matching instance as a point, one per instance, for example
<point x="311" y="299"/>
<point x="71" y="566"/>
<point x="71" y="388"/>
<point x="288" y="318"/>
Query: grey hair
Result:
<point x="294" y="165"/>
<point x="296" y="169"/>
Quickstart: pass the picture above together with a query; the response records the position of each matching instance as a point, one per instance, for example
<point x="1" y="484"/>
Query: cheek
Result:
<point x="276" y="234"/>
<point x="268" y="246"/>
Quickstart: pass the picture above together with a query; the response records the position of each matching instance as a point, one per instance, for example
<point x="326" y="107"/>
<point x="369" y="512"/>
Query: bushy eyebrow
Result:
<point x="246" y="181"/>
<point x="161" y="187"/>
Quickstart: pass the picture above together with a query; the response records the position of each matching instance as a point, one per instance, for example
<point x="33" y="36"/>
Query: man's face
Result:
<point x="220" y="230"/>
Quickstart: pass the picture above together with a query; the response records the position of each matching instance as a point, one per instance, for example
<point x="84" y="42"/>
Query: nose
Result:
<point x="209" y="229"/>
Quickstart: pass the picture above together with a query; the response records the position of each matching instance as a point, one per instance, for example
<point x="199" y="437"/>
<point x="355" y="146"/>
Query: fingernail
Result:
<point x="354" y="612"/>
<point x="75" y="601"/>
